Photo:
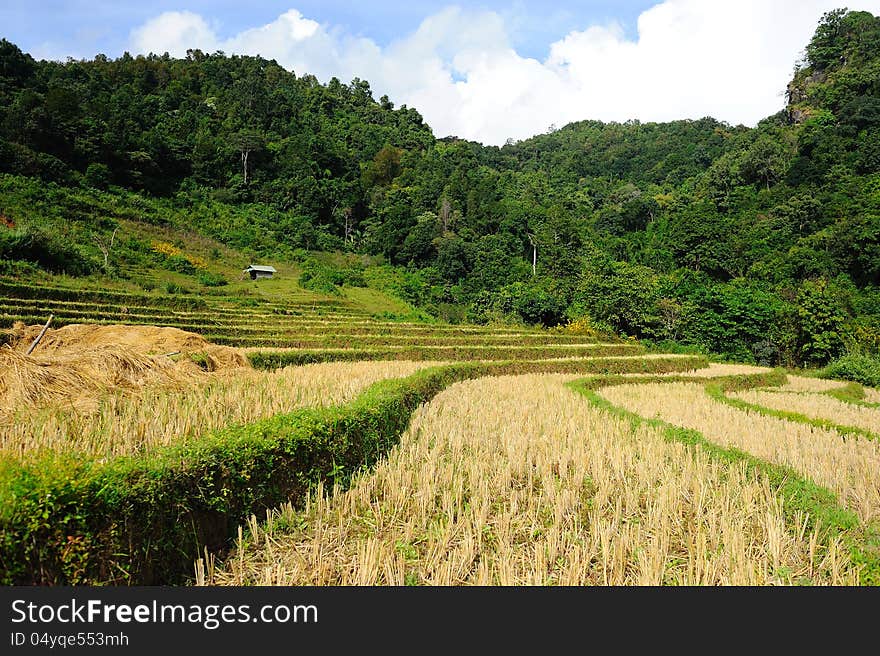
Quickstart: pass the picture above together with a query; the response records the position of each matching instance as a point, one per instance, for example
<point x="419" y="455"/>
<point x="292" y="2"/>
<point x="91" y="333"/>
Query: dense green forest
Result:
<point x="761" y="244"/>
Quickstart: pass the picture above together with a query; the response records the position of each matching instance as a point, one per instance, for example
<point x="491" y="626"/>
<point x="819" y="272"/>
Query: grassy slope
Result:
<point x="82" y="217"/>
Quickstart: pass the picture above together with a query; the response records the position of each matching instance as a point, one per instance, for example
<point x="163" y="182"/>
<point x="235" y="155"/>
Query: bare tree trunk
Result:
<point x="349" y="224"/>
<point x="107" y="254"/>
<point x="247" y="142"/>
<point x="534" y="254"/>
<point x="105" y="249"/>
<point x="445" y="214"/>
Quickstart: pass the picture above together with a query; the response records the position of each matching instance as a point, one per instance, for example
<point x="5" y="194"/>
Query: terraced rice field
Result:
<point x="381" y="452"/>
<point x="323" y="328"/>
<point x="850" y="468"/>
<point x="520" y="480"/>
<point x="131" y="423"/>
<point x="816" y="406"/>
<point x="301" y="329"/>
<point x="872" y="395"/>
<point x="517" y="481"/>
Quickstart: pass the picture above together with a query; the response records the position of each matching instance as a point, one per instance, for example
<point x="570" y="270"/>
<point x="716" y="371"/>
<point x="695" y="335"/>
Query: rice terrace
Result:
<point x="261" y="330"/>
<point x="562" y="459"/>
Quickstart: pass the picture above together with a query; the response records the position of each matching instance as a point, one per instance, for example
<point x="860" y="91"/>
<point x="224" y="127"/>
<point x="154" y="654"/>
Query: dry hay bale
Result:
<point x="20" y="335"/>
<point x="81" y="378"/>
<point x="148" y="340"/>
<point x="223" y="357"/>
<point x="79" y="364"/>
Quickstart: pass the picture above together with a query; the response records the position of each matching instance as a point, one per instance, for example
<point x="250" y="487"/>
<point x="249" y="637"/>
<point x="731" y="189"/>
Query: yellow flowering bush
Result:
<point x="172" y="251"/>
<point x="580" y="326"/>
<point x="166" y="249"/>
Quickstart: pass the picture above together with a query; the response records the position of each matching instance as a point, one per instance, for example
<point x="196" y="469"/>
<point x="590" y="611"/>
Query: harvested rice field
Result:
<point x="127" y="423"/>
<point x="715" y="369"/>
<point x="312" y="442"/>
<point x="517" y="481"/>
<point x="850" y="467"/>
<point x="816" y="406"/>
<point x="805" y="384"/>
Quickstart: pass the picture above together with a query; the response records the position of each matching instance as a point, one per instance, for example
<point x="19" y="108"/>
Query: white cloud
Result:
<point x="730" y="59"/>
<point x="174" y="32"/>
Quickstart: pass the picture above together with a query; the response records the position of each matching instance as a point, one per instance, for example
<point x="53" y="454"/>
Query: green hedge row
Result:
<point x="853" y="393"/>
<point x="728" y="383"/>
<point x="276" y="359"/>
<point x="143" y="520"/>
<point x="719" y="394"/>
<point x="320" y="340"/>
<point x="309" y="328"/>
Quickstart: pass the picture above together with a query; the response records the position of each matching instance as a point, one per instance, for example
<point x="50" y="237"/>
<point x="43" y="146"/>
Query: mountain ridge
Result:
<point x="710" y="235"/>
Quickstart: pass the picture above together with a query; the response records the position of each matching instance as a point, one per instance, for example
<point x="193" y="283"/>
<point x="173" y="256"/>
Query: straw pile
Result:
<point x="80" y="363"/>
<point x="148" y="340"/>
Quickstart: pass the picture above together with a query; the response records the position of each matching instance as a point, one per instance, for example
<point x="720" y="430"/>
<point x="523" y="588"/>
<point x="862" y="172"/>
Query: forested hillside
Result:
<point x="761" y="243"/>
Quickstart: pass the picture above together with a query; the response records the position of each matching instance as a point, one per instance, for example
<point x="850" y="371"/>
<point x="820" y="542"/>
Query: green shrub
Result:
<point x="17" y="268"/>
<point x="319" y="283"/>
<point x="174" y="288"/>
<point x="97" y="175"/>
<point x="527" y="302"/>
<point x="268" y="359"/>
<point x="621" y="295"/>
<point x="451" y="313"/>
<point x="327" y="279"/>
<point x="863" y="369"/>
<point x="820" y="321"/>
<point x="737" y="320"/>
<point x="179" y="264"/>
<point x="209" y="279"/>
<point x="49" y="252"/>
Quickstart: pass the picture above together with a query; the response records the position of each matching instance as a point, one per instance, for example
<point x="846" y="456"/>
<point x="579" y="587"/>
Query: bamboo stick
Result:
<point x="40" y="336"/>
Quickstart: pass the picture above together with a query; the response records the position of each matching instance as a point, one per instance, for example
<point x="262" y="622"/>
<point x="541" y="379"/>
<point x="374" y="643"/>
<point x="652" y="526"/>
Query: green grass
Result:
<point x="377" y="302"/>
<point x="852" y="393"/>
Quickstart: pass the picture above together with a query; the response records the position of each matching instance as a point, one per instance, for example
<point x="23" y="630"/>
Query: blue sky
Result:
<point x="492" y="71"/>
<point x="83" y="28"/>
